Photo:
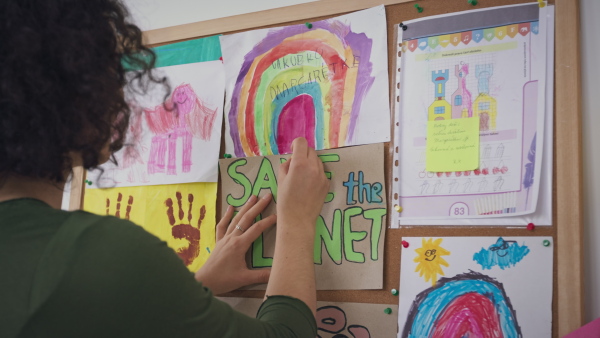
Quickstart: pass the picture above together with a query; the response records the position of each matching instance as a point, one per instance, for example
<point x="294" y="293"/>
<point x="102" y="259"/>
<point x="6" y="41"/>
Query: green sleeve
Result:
<point x="124" y="282"/>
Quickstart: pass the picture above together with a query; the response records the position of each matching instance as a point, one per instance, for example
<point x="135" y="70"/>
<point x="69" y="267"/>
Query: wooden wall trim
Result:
<point x="77" y="189"/>
<point x="260" y="19"/>
<point x="568" y="168"/>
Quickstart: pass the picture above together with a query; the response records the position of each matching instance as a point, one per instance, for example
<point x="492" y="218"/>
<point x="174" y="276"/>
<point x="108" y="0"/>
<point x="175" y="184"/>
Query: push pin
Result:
<point x="88" y="182"/>
<point x="309" y="25"/>
<point x="473" y="2"/>
<point x="398" y="208"/>
<point x="541" y="3"/>
<point x="419" y="8"/>
<point x="403" y="26"/>
<point x="405" y="244"/>
<point x="221" y="58"/>
<point x="394" y="292"/>
<point x="388" y="311"/>
<point x="530" y="226"/>
<point x="208" y="249"/>
<point x="546" y="242"/>
<point x="227" y="155"/>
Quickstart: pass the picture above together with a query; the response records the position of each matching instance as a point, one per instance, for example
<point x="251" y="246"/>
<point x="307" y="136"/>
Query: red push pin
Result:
<point x="405" y="244"/>
<point x="221" y="58"/>
<point x="530" y="226"/>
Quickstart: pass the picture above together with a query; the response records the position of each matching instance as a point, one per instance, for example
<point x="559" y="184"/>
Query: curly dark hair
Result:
<point x="62" y="83"/>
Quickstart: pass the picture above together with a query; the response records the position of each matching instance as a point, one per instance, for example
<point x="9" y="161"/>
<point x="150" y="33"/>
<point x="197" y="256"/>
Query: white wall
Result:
<point x="590" y="45"/>
<point x="152" y="14"/>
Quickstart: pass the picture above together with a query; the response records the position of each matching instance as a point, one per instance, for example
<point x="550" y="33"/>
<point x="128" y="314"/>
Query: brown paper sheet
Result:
<point x="351" y="230"/>
<point x="338" y="319"/>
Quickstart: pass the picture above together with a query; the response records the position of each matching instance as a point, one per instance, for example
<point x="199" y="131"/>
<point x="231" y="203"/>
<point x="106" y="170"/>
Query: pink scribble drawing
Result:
<point x="132" y="158"/>
<point x="182" y="116"/>
<point x="461" y="99"/>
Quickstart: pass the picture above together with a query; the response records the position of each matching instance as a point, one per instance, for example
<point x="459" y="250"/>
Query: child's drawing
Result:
<point x="430" y="260"/>
<point x="466" y="305"/>
<point x="490" y="287"/>
<point x="327" y="83"/>
<point x="182" y="116"/>
<point x="503" y="254"/>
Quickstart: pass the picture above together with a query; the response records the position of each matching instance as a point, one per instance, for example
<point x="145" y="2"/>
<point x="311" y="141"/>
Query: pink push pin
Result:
<point x="405" y="244"/>
<point x="530" y="226"/>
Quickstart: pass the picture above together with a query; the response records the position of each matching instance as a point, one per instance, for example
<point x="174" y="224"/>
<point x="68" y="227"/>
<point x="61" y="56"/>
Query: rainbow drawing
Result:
<point x="466" y="305"/>
<point x="300" y="81"/>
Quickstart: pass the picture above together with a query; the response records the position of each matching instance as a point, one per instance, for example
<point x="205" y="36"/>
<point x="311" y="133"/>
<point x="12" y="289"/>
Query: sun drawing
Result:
<point x="430" y="260"/>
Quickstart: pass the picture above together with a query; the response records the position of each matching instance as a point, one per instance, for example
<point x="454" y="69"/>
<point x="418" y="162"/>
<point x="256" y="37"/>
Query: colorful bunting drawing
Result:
<point x="320" y="83"/>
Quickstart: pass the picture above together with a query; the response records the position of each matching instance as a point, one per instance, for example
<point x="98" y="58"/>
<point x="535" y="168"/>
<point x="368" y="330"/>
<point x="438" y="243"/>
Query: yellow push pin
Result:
<point x="541" y="3"/>
<point x="398" y="208"/>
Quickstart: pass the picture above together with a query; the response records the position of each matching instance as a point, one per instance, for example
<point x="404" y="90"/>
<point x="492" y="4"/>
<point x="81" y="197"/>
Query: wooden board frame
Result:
<point x="568" y="306"/>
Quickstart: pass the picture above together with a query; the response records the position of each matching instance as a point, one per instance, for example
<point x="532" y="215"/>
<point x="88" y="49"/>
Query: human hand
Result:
<point x="226" y="269"/>
<point x="302" y="187"/>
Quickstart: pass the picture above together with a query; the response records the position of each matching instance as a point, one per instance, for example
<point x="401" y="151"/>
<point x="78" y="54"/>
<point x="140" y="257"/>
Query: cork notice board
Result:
<point x="567" y="229"/>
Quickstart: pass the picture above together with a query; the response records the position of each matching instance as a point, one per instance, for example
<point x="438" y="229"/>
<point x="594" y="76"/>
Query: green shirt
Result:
<point x="120" y="281"/>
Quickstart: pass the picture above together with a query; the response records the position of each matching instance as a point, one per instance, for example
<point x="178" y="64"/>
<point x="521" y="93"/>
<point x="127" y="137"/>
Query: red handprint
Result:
<point x="186" y="230"/>
<point x="118" y="211"/>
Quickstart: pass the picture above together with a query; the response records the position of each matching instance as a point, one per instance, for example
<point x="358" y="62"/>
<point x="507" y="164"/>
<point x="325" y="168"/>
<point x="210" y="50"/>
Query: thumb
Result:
<point x="258" y="276"/>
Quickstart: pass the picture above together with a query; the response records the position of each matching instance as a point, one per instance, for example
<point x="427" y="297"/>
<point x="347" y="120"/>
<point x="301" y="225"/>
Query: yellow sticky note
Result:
<point x="182" y="215"/>
<point x="452" y="145"/>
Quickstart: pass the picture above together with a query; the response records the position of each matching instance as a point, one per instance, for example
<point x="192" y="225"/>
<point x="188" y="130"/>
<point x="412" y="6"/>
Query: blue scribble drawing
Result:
<point x="503" y="253"/>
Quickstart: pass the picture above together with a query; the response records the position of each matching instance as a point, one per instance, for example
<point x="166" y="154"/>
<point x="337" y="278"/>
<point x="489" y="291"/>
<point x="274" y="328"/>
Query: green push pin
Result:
<point x="473" y="2"/>
<point x="388" y="311"/>
<point x="546" y="242"/>
<point x="419" y="8"/>
<point x="227" y="155"/>
<point x="309" y="25"/>
<point x="395" y="292"/>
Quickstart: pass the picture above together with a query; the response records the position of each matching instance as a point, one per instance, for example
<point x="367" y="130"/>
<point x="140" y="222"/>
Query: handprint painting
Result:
<point x="325" y="81"/>
<point x="173" y="137"/>
<point x="182" y="215"/>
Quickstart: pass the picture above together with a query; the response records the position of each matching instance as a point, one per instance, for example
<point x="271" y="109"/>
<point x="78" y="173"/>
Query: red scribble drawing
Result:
<point x="185" y="230"/>
<point x="182" y="116"/>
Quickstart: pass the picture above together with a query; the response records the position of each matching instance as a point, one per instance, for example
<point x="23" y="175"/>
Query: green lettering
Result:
<point x="265" y="179"/>
<point x="325" y="158"/>
<point x="332" y="241"/>
<point x="352" y="236"/>
<point x="376" y="216"/>
<point x="258" y="259"/>
<point x="240" y="179"/>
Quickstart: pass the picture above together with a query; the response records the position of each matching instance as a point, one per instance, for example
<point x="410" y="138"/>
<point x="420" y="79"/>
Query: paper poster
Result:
<point x="338" y="319"/>
<point x="476" y="286"/>
<point x="173" y="139"/>
<point x="488" y="68"/>
<point x="326" y="81"/>
<point x="182" y="215"/>
<point x="350" y="233"/>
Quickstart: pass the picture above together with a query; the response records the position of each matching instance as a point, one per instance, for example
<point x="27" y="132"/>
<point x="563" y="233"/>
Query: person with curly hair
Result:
<point x="75" y="274"/>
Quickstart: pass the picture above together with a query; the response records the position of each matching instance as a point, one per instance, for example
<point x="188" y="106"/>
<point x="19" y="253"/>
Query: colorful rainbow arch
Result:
<point x="470" y="304"/>
<point x="300" y="82"/>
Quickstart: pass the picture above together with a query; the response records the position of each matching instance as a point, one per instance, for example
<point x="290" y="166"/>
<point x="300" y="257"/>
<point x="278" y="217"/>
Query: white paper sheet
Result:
<point x="328" y="83"/>
<point x="500" y="285"/>
<point x="177" y="146"/>
<point x="430" y="198"/>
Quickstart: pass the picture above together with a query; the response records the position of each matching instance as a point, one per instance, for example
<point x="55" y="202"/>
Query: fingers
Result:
<point x="252" y="233"/>
<point x="247" y="218"/>
<point x="249" y="204"/>
<point x="299" y="148"/>
<point x="284" y="168"/>
<point x="224" y="222"/>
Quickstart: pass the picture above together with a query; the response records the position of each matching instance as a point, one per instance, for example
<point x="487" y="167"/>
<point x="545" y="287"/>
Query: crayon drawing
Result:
<point x="173" y="137"/>
<point x="498" y="290"/>
<point x="503" y="254"/>
<point x="430" y="261"/>
<point x="320" y="82"/>
<point x="182" y="215"/>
